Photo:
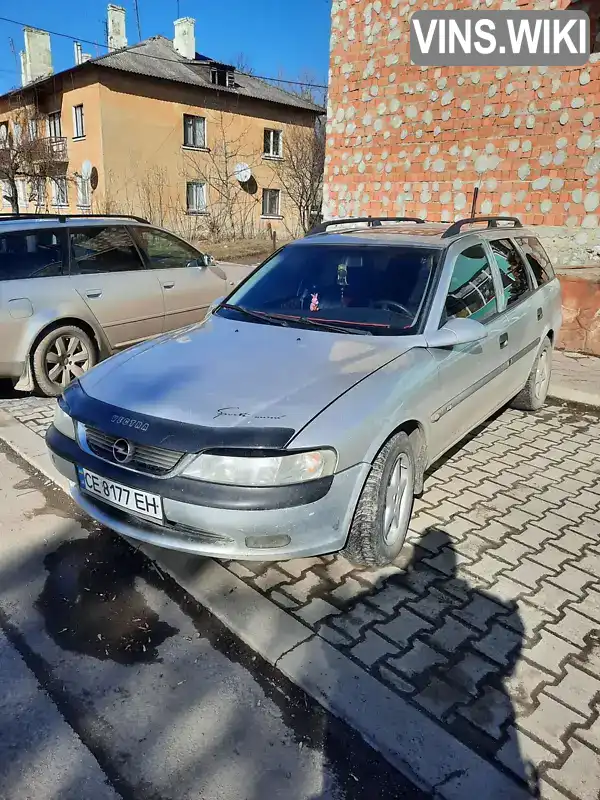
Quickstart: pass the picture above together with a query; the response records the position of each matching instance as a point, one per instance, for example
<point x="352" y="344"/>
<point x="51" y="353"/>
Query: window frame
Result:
<point x="22" y="193"/>
<point x="550" y="270"/>
<point x="72" y="270"/>
<point x="201" y="147"/>
<point x="53" y="118"/>
<point x="452" y="257"/>
<point x="136" y="232"/>
<point x="266" y="214"/>
<point x="54" y="195"/>
<point x="270" y="153"/>
<point x="78" y="119"/>
<point x="81" y="194"/>
<point x="503" y="305"/>
<point x="195" y="211"/>
<point x="4" y="134"/>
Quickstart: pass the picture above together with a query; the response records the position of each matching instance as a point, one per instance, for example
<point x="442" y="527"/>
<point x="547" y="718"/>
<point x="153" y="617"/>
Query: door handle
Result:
<point x="503" y="340"/>
<point x="169" y="285"/>
<point x="540" y="313"/>
<point x="93" y="293"/>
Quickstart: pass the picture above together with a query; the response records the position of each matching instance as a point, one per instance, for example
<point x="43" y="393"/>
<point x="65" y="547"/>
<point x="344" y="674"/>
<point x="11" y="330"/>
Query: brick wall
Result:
<point x="415" y="140"/>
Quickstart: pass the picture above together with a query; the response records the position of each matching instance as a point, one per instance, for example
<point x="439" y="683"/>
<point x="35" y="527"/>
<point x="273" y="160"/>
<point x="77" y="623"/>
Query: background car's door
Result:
<point x="108" y="272"/>
<point x="188" y="286"/>
<point x="471" y="381"/>
<point x="519" y="311"/>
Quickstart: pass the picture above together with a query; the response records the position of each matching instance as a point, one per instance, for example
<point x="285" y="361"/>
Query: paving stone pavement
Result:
<point x="489" y="621"/>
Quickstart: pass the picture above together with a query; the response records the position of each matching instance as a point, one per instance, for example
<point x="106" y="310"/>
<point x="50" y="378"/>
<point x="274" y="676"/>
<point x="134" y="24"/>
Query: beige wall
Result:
<point x="134" y="137"/>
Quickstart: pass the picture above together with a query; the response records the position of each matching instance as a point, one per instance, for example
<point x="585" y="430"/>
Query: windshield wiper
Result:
<point x="327" y="326"/>
<point x="260" y="315"/>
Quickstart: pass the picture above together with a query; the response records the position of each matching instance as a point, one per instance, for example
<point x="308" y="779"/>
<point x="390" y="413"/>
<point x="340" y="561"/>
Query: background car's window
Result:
<point x="165" y="251"/>
<point x="31" y="254"/>
<point x="472" y="292"/>
<point x="380" y="288"/>
<point x="538" y="260"/>
<point x="512" y="269"/>
<point x="98" y="249"/>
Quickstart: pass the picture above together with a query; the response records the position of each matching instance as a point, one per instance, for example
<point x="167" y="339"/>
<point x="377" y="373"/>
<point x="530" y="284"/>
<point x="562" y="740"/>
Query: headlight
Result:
<point x="63" y="422"/>
<point x="263" y="470"/>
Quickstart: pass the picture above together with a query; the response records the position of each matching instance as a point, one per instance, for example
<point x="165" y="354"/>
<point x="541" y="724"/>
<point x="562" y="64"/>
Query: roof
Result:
<point x="157" y="58"/>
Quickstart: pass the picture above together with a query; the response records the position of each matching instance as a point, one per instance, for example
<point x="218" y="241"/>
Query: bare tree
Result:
<point x="242" y="64"/>
<point x="28" y="157"/>
<point x="230" y="213"/>
<point x="300" y="173"/>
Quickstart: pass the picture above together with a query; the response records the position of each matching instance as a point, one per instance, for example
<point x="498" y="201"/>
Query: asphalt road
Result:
<point x="116" y="684"/>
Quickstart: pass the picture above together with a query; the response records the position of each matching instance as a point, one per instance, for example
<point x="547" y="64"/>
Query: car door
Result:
<point x="470" y="376"/>
<point x="188" y="286"/>
<point x="107" y="271"/>
<point x="519" y="306"/>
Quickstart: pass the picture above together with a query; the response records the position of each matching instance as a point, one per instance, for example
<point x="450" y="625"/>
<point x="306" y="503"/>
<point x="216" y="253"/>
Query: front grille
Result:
<point x="151" y="460"/>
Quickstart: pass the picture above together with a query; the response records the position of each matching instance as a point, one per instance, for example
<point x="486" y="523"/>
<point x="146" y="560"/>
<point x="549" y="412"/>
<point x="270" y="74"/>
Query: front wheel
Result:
<point x="384" y="508"/>
<point x="64" y="354"/>
<point x="533" y="396"/>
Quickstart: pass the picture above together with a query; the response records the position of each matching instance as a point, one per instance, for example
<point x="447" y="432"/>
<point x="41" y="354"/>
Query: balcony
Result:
<point x="45" y="152"/>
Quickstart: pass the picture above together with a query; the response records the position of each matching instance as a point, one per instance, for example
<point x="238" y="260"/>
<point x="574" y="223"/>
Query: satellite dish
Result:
<point x="86" y="169"/>
<point x="94" y="178"/>
<point x="243" y="173"/>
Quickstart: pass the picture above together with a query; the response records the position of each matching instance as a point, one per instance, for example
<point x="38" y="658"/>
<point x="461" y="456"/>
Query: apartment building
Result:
<point x="409" y="140"/>
<point x="154" y="129"/>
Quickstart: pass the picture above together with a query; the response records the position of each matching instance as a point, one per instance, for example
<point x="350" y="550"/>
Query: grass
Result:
<point x="239" y="251"/>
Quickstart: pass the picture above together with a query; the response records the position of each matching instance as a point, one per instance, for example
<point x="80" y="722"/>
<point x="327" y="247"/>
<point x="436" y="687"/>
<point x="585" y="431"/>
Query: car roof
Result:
<point x="414" y="234"/>
<point x="19" y="222"/>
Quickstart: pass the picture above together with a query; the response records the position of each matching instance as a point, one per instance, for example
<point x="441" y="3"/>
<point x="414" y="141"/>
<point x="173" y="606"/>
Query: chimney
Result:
<point x="78" y="52"/>
<point x="36" y="61"/>
<point x="116" y="27"/>
<point x="185" y="38"/>
<point x="85" y="57"/>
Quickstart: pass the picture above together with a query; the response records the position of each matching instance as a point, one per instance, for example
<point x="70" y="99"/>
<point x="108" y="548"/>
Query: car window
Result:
<point x="538" y="260"/>
<point x="165" y="251"/>
<point x="98" y="249"/>
<point x="379" y="288"/>
<point x="515" y="280"/>
<point x="472" y="292"/>
<point x="31" y="254"/>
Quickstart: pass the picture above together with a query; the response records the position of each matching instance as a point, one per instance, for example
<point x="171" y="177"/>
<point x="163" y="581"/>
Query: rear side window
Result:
<point x="538" y="260"/>
<point x="31" y="254"/>
<point x="472" y="292"/>
<point x="515" y="280"/>
<point x="165" y="251"/>
<point x="98" y="249"/>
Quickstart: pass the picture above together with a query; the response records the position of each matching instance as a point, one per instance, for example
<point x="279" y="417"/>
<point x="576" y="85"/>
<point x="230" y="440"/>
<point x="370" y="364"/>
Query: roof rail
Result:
<point x="64" y="217"/>
<point x="374" y="222"/>
<point x="492" y="222"/>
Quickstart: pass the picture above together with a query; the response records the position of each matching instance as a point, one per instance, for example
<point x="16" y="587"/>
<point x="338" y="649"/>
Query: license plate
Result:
<point x="144" y="503"/>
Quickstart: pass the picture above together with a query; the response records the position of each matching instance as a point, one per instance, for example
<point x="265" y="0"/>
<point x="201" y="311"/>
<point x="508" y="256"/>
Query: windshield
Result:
<point x="369" y="289"/>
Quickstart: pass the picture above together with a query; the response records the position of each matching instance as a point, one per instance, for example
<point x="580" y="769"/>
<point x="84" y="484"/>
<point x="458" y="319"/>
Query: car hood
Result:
<point x="226" y="373"/>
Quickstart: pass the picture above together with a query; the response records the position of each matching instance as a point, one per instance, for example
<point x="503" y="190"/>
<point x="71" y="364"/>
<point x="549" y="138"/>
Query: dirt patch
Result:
<point x="240" y="251"/>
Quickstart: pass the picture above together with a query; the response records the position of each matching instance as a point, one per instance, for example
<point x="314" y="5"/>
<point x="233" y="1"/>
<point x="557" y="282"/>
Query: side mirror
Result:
<point x="461" y="330"/>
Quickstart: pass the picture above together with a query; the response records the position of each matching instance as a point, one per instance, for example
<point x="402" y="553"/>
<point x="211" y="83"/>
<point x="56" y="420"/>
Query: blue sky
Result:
<point x="279" y="38"/>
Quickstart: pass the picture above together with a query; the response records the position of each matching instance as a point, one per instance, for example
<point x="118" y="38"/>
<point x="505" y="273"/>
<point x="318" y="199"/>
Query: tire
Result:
<point x="52" y="376"/>
<point x="368" y="544"/>
<point x="533" y="396"/>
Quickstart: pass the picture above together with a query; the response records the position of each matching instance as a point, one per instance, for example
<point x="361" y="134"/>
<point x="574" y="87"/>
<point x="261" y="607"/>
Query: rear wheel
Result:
<point x="384" y="509"/>
<point x="533" y="396"/>
<point x="63" y="355"/>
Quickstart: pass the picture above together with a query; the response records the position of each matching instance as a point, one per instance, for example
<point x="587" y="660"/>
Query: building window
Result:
<point x="6" y="193"/>
<point x="37" y="192"/>
<point x="22" y="192"/>
<point x="194" y="131"/>
<point x="33" y="129"/>
<point x="83" y="192"/>
<point x="17" y="129"/>
<point x="273" y="143"/>
<point x="196" y="197"/>
<point x="54" y="126"/>
<point x="271" y="203"/>
<point x="3" y="134"/>
<point x="220" y="76"/>
<point x="60" y="193"/>
<point x="78" y="126"/>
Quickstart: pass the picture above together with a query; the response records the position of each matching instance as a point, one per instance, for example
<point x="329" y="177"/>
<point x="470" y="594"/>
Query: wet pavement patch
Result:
<point x="91" y="605"/>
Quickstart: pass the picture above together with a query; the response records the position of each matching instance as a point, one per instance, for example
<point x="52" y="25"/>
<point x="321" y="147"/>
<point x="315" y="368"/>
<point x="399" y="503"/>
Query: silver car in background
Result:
<point x="299" y="418"/>
<point x="74" y="290"/>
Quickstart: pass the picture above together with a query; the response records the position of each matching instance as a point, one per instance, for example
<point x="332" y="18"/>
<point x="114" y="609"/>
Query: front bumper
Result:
<point x="311" y="527"/>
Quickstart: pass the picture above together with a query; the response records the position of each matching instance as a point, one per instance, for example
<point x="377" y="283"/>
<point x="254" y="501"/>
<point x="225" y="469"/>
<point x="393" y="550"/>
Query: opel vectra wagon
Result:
<point x="300" y="416"/>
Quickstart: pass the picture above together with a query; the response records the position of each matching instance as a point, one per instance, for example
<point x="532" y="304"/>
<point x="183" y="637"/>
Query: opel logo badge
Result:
<point x="123" y="451"/>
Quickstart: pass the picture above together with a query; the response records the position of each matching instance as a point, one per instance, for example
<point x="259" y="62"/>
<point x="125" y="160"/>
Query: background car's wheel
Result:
<point x="63" y="354"/>
<point x="383" y="512"/>
<point x="533" y="395"/>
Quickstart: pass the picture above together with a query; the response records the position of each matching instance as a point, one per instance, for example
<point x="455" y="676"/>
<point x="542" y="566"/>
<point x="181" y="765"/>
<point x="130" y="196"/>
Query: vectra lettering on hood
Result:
<point x="136" y="424"/>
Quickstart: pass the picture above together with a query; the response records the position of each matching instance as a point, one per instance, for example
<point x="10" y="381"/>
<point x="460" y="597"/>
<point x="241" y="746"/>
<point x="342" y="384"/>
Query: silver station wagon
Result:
<point x="300" y="416"/>
<point x="74" y="290"/>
